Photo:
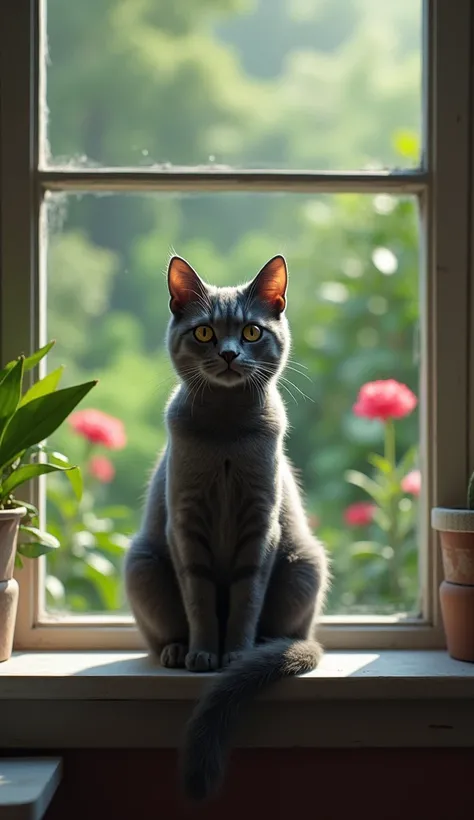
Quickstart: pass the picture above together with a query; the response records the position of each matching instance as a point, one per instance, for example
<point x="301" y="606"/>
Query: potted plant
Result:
<point x="27" y="418"/>
<point x="456" y="530"/>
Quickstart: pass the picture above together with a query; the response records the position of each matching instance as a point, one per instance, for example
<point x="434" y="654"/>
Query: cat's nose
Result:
<point x="228" y="355"/>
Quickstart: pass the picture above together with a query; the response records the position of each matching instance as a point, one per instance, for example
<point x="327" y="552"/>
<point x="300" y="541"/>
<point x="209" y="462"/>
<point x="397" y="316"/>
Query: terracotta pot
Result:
<point x="9" y="523"/>
<point x="456" y="529"/>
<point x="457" y="606"/>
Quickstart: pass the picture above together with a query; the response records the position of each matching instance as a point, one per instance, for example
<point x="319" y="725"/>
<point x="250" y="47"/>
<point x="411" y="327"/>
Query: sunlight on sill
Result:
<point x="136" y="676"/>
<point x="127" y="622"/>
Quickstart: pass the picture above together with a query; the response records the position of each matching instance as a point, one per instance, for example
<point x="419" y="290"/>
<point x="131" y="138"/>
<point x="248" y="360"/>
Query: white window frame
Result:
<point x="444" y="185"/>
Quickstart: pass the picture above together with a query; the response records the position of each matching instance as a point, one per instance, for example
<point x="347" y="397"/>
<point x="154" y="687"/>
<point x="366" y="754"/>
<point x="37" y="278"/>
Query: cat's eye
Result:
<point x="251" y="333"/>
<point x="203" y="333"/>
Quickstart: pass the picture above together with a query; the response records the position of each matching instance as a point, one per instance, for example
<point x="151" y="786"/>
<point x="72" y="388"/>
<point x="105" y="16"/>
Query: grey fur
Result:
<point x="225" y="570"/>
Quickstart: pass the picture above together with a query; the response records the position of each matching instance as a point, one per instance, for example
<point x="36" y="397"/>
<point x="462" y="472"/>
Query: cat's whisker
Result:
<point x="282" y="380"/>
<point x="253" y="382"/>
<point x="294" y="361"/>
<point x="197" y="384"/>
<point x="289" y="367"/>
<point x="290" y="393"/>
<point x="192" y="384"/>
<point x="305" y="396"/>
<point x="281" y="377"/>
<point x="295" y="370"/>
<point x="259" y="391"/>
<point x="261" y="384"/>
<point x="260" y="388"/>
<point x="177" y="377"/>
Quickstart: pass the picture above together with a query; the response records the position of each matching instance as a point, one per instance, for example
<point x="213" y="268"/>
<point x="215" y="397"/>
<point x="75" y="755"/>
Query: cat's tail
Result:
<point x="209" y="732"/>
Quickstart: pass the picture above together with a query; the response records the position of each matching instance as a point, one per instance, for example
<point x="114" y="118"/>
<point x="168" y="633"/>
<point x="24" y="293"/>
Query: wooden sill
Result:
<point x="123" y="699"/>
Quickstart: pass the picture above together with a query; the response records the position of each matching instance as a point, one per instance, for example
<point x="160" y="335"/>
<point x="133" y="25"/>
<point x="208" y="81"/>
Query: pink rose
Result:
<point x="99" y="428"/>
<point x="411" y="483"/>
<point x="359" y="514"/>
<point x="102" y="468"/>
<point x="385" y="399"/>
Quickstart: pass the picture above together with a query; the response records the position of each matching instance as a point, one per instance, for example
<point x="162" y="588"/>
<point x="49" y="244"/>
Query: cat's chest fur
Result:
<point x="219" y="485"/>
<point x="217" y="472"/>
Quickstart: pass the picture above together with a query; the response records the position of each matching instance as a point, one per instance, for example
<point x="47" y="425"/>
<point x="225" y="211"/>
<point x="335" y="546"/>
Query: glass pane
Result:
<point x="353" y="309"/>
<point x="308" y="84"/>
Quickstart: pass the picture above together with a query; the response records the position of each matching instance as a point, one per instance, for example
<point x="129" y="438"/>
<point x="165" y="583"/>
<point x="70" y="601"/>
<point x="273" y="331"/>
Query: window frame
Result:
<point x="444" y="185"/>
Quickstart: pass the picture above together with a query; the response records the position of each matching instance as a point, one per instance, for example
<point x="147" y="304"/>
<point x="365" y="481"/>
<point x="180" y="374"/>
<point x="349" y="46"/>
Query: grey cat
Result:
<point x="225" y="571"/>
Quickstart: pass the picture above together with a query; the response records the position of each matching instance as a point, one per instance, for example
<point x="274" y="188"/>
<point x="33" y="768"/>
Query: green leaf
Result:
<point x="54" y="456"/>
<point x="44" y="542"/>
<point x="33" y="549"/>
<point x="406" y="520"/>
<point x="106" y="581"/>
<point x="75" y="479"/>
<point x="115" y="512"/>
<point x="407" y="463"/>
<point x="18" y="561"/>
<point x="27" y="472"/>
<point x="29" y="361"/>
<point x="31" y="510"/>
<point x="39" y="419"/>
<point x="380" y="463"/>
<point x="113" y="543"/>
<point x="55" y="589"/>
<point x="365" y="483"/>
<point x="10" y="393"/>
<point x="43" y="386"/>
<point x="382" y="519"/>
<point x="73" y="474"/>
<point x="62" y="501"/>
<point x="366" y="550"/>
<point x="35" y="358"/>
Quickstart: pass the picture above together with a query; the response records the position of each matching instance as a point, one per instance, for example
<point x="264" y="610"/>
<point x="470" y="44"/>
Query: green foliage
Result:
<point x="25" y="420"/>
<point x="394" y="516"/>
<point x="328" y="84"/>
<point x="85" y="575"/>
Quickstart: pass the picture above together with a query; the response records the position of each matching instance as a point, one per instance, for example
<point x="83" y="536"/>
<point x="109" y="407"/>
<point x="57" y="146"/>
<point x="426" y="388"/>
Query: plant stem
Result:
<point x="390" y="455"/>
<point x="390" y="443"/>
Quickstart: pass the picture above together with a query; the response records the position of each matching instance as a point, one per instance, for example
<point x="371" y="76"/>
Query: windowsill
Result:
<point x="134" y="676"/>
<point x="110" y="699"/>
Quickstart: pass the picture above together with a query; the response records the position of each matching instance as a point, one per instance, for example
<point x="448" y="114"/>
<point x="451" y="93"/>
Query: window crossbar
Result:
<point x="108" y="180"/>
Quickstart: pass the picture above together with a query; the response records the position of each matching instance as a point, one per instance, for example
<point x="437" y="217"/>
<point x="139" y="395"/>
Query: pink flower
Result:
<point x="99" y="428"/>
<point x="411" y="483"/>
<point x="385" y="399"/>
<point x="102" y="468"/>
<point x="359" y="514"/>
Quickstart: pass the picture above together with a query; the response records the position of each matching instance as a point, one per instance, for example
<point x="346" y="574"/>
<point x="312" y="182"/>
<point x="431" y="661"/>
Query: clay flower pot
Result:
<point x="456" y="529"/>
<point x="9" y="523"/>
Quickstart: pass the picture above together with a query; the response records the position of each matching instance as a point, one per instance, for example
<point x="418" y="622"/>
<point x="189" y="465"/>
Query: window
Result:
<point x="178" y="125"/>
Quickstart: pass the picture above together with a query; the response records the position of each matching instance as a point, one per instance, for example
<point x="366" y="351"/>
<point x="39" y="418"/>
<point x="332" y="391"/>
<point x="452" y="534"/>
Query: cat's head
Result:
<point x="228" y="337"/>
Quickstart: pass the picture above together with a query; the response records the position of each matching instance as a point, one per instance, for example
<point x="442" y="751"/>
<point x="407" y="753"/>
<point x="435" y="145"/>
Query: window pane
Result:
<point x="353" y="309"/>
<point x="308" y="84"/>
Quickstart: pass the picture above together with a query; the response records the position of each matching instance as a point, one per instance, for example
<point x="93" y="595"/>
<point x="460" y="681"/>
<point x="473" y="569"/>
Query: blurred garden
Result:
<point x="286" y="84"/>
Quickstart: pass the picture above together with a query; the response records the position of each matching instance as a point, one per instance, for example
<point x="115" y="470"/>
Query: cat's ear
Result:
<point x="184" y="284"/>
<point x="270" y="284"/>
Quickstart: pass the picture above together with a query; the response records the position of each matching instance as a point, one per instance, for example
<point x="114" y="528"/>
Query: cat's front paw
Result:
<point x="173" y="655"/>
<point x="200" y="661"/>
<point x="230" y="657"/>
